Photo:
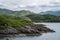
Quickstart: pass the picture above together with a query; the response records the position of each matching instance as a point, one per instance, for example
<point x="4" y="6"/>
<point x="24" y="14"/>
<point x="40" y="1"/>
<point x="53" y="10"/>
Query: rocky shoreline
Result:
<point x="26" y="31"/>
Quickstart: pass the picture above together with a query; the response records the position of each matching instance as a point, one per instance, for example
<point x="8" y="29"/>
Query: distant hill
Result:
<point x="44" y="18"/>
<point x="49" y="16"/>
<point x="57" y="13"/>
<point x="15" y="13"/>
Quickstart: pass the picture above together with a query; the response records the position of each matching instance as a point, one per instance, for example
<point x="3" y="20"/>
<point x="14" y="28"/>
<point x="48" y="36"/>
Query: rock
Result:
<point x="9" y="30"/>
<point x="27" y="30"/>
<point x="28" y="27"/>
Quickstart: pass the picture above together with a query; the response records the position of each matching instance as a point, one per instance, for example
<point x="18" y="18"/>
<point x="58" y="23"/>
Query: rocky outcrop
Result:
<point x="41" y="28"/>
<point x="27" y="30"/>
<point x="38" y="29"/>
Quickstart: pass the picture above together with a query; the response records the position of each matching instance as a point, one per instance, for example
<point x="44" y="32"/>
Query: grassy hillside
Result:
<point x="5" y="22"/>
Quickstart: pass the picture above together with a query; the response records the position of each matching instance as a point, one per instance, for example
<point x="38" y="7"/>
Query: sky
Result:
<point x="32" y="5"/>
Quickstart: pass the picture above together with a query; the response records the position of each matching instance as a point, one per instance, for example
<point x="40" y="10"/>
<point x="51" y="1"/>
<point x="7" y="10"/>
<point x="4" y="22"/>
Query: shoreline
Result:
<point x="15" y="35"/>
<point x="39" y="27"/>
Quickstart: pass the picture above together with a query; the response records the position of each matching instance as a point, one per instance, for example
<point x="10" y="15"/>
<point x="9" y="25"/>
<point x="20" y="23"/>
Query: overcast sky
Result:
<point x="32" y="5"/>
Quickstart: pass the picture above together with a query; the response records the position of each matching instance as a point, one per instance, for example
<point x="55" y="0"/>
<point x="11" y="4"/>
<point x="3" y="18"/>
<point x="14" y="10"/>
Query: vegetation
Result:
<point x="44" y="18"/>
<point x="5" y="22"/>
<point x="23" y="18"/>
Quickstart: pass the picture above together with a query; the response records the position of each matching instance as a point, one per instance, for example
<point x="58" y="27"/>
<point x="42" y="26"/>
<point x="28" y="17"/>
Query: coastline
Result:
<point x="40" y="30"/>
<point x="19" y="35"/>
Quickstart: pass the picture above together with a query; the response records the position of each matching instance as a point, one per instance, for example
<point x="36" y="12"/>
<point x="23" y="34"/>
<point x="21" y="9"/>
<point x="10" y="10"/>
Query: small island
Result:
<point x="22" y="26"/>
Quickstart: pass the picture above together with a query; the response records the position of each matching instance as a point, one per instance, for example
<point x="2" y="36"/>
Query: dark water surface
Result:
<point x="45" y="36"/>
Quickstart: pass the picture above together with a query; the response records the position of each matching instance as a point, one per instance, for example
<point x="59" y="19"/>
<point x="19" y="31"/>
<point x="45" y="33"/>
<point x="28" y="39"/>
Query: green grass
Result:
<point x="13" y="22"/>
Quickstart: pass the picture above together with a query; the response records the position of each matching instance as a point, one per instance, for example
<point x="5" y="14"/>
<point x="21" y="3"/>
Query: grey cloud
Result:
<point x="15" y="5"/>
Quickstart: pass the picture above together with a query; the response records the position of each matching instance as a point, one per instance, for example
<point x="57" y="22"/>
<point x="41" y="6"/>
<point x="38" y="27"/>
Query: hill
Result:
<point x="56" y="13"/>
<point x="15" y="13"/>
<point x="49" y="16"/>
<point x="44" y="18"/>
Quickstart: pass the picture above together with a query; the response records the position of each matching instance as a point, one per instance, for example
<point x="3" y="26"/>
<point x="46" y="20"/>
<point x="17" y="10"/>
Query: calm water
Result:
<point x="45" y="36"/>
